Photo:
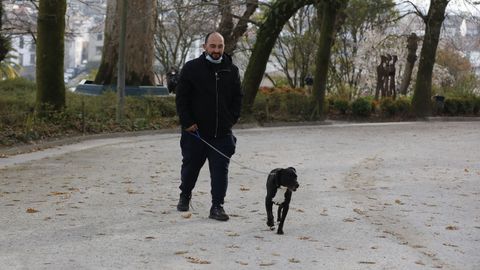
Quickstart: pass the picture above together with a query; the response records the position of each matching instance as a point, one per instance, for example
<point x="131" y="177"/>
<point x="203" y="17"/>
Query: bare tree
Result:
<point x="294" y="51"/>
<point x="278" y="14"/>
<point x="423" y="87"/>
<point x="231" y="31"/>
<point x="179" y="24"/>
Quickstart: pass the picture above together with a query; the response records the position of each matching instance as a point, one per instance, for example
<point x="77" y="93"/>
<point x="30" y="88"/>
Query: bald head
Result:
<point x="214" y="45"/>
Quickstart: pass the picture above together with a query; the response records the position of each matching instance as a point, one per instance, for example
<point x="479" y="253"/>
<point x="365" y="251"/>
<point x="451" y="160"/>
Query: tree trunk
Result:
<point x="50" y="56"/>
<point x="423" y="88"/>
<point x="327" y="11"/>
<point x="139" y="52"/>
<point x="412" y="45"/>
<point x="267" y="34"/>
<point x="4" y="42"/>
<point x="230" y="32"/>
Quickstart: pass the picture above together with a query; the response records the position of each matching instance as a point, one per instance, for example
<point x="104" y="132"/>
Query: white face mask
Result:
<point x="215" y="61"/>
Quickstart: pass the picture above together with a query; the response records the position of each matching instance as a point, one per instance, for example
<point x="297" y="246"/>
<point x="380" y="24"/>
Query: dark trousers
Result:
<point x="195" y="152"/>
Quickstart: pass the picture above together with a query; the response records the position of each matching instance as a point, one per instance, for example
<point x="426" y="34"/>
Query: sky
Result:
<point x="455" y="6"/>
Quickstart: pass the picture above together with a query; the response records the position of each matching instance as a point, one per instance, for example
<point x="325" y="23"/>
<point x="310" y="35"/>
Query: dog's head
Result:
<point x="288" y="178"/>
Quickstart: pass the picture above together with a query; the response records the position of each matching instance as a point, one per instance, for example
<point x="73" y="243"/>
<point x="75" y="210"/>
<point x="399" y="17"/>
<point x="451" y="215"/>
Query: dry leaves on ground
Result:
<point x="196" y="260"/>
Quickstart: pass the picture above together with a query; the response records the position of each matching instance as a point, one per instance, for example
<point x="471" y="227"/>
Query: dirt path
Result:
<point x="372" y="196"/>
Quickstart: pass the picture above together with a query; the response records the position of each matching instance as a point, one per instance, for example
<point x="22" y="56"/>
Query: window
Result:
<point x="20" y="59"/>
<point x="99" y="37"/>
<point x="32" y="59"/>
<point x="22" y="43"/>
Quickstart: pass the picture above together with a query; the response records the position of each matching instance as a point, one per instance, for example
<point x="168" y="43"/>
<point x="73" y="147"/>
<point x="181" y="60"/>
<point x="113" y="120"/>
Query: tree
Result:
<point x="50" y="55"/>
<point x="139" y="45"/>
<point x="327" y="11"/>
<point x="228" y="29"/>
<point x="412" y="45"/>
<point x="353" y="51"/>
<point x="276" y="17"/>
<point x="423" y="87"/>
<point x="4" y="42"/>
<point x="180" y="23"/>
<point x="295" y="48"/>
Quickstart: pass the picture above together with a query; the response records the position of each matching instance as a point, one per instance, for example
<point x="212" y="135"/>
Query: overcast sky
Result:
<point x="455" y="6"/>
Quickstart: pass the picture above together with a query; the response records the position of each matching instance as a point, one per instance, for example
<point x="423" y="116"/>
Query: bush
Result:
<point x="450" y="106"/>
<point x="341" y="105"/>
<point x="404" y="106"/>
<point x="388" y="106"/>
<point x="298" y="106"/>
<point x="476" y="105"/>
<point x="362" y="107"/>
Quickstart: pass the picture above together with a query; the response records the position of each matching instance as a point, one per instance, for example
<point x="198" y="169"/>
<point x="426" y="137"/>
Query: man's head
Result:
<point x="214" y="45"/>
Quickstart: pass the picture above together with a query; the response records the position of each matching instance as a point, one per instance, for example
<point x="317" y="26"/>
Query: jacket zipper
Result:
<point x="217" y="78"/>
<point x="216" y="103"/>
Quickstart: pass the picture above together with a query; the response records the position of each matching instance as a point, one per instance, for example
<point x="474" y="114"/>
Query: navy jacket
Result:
<point x="210" y="96"/>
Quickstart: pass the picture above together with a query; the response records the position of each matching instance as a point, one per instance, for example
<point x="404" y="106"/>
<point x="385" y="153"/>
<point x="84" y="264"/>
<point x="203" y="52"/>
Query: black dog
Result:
<point x="280" y="184"/>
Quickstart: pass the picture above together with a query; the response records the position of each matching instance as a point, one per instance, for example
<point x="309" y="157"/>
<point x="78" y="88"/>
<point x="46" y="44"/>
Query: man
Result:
<point x="208" y="102"/>
<point x="172" y="80"/>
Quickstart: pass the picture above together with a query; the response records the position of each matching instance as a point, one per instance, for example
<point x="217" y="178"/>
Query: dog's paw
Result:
<point x="280" y="232"/>
<point x="272" y="228"/>
<point x="270" y="223"/>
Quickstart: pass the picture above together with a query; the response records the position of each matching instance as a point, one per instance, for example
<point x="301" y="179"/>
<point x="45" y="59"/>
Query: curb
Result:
<point x="37" y="146"/>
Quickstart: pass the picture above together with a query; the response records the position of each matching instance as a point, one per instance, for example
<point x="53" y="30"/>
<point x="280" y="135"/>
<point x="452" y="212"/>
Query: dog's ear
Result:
<point x="293" y="169"/>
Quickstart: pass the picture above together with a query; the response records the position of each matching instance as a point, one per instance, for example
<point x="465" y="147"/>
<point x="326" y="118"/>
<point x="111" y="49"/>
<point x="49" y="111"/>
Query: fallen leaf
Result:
<point x="399" y="202"/>
<point x="181" y="252"/>
<point x="149" y="238"/>
<point x="364" y="262"/>
<point x="244" y="189"/>
<point x="233" y="234"/>
<point x="452" y="228"/>
<point x="466" y="170"/>
<point x="349" y="220"/>
<point x="420" y="263"/>
<point x="267" y="264"/>
<point x="196" y="260"/>
<point x="293" y="260"/>
<point x="358" y="211"/>
<point x="31" y="210"/>
<point x="304" y="238"/>
<point x="241" y="263"/>
<point x="55" y="193"/>
<point x="187" y="215"/>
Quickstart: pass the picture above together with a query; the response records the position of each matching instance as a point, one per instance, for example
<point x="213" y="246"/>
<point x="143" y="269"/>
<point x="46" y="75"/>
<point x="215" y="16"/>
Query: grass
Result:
<point x="96" y="114"/>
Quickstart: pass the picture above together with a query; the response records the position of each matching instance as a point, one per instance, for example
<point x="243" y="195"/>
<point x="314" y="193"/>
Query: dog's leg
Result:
<point x="285" y="206"/>
<point x="279" y="212"/>
<point x="270" y="218"/>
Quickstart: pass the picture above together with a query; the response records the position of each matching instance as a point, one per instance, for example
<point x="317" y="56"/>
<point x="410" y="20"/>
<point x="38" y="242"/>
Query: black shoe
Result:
<point x="217" y="212"/>
<point x="183" y="203"/>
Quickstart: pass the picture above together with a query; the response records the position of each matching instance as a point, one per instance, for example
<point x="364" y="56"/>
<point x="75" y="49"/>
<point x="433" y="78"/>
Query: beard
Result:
<point x="215" y="56"/>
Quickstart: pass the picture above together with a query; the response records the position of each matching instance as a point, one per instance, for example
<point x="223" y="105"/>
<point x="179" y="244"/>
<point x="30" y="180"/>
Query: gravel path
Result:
<point x="371" y="196"/>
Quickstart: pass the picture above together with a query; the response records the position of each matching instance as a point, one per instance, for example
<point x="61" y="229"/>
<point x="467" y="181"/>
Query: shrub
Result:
<point x="362" y="107"/>
<point x="341" y="105"/>
<point x="403" y="106"/>
<point x="388" y="106"/>
<point x="297" y="105"/>
<point x="450" y="106"/>
<point x="476" y="105"/>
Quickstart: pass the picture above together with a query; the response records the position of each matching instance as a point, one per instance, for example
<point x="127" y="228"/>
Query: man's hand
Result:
<point x="192" y="128"/>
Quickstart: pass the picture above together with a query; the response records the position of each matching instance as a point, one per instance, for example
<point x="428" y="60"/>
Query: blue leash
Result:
<point x="197" y="135"/>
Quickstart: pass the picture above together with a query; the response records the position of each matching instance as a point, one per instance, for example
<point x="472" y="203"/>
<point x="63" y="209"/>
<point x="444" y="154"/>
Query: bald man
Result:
<point x="208" y="103"/>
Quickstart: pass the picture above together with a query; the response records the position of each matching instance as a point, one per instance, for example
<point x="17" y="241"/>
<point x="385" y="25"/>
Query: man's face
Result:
<point x="214" y="46"/>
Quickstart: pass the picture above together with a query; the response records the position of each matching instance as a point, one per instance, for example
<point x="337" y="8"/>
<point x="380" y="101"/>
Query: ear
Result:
<point x="204" y="46"/>
<point x="293" y="169"/>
